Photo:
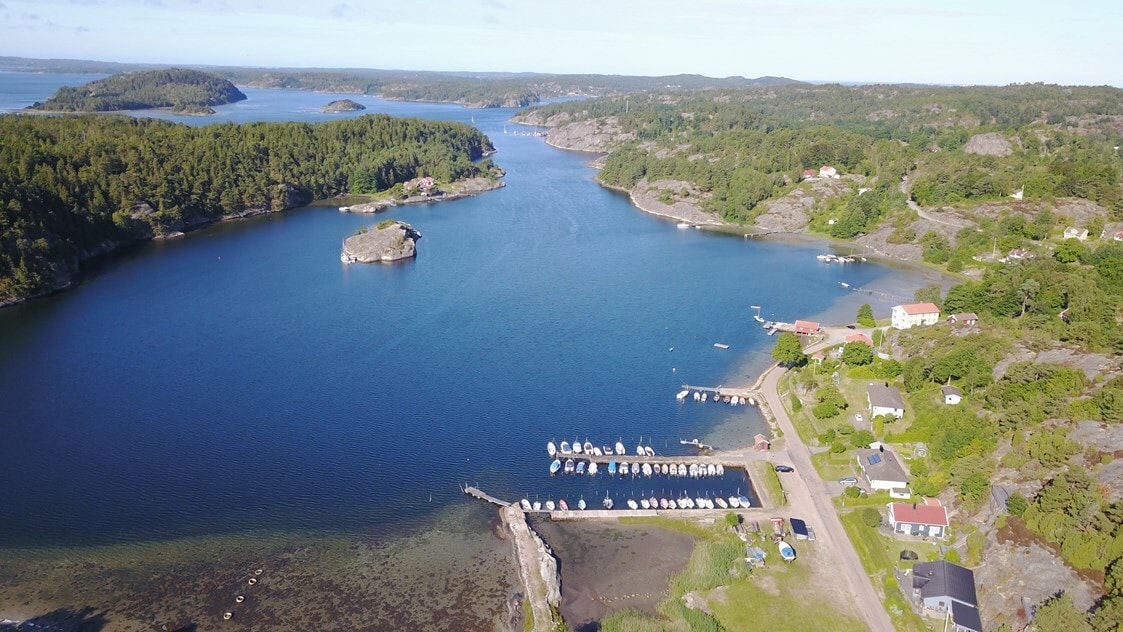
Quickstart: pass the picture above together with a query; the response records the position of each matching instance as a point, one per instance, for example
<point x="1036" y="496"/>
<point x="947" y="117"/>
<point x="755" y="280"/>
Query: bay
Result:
<point x="241" y="381"/>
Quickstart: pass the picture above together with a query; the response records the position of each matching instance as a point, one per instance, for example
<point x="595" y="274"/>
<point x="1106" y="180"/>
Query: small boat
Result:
<point x="623" y="469"/>
<point x="620" y="448"/>
<point x="538" y="505"/>
<point x="345" y="209"/>
<point x="639" y="450"/>
<point x="697" y="396"/>
<point x="555" y="466"/>
<point x="672" y="504"/>
<point x="580" y="467"/>
<point x="693" y="470"/>
<point x="682" y="395"/>
<point x="648" y="450"/>
<point x="550" y="505"/>
<point x="824" y="257"/>
<point x="701" y="502"/>
<point x="664" y="469"/>
<point x="588" y="445"/>
<point x="679" y="225"/>
<point x="643" y="502"/>
<point x="647" y="469"/>
<point x="597" y="452"/>
<point x="705" y="396"/>
<point x="744" y="502"/>
<point x="525" y="504"/>
<point x="565" y="448"/>
<point x="551" y="449"/>
<point x="577" y="447"/>
<point x="607" y="502"/>
<point x="720" y="345"/>
<point x="734" y="503"/>
<point x="581" y="504"/>
<point x="632" y="504"/>
<point x="654" y="502"/>
<point x="682" y="469"/>
<point x="720" y="469"/>
<point x="592" y="468"/>
<point x="709" y="503"/>
<point x="663" y="504"/>
<point x="689" y="502"/>
<point x="721" y="502"/>
<point x="606" y="450"/>
<point x="786" y="550"/>
<point x="711" y="470"/>
<point x="612" y="467"/>
<point x="569" y="466"/>
<point x="564" y="506"/>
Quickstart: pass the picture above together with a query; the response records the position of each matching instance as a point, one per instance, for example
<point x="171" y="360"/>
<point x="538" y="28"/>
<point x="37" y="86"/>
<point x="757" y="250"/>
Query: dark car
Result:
<point x="851" y="326"/>
<point x="784" y="468"/>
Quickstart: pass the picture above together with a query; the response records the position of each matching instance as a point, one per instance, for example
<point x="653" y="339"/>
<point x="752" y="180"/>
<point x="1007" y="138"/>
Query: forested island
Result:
<point x="75" y="187"/>
<point x="181" y="90"/>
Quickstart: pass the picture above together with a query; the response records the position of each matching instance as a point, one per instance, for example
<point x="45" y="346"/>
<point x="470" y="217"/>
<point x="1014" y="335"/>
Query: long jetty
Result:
<point x="476" y="492"/>
<point x="720" y="391"/>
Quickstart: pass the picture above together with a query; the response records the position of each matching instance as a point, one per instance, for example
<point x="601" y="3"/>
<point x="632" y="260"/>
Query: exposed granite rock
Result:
<point x="990" y="144"/>
<point x="343" y="105"/>
<point x="390" y="240"/>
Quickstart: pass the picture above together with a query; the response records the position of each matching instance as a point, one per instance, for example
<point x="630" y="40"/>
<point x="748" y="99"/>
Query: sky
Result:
<point x="934" y="41"/>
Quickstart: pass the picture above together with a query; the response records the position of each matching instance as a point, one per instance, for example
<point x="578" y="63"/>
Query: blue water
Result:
<point x="243" y="378"/>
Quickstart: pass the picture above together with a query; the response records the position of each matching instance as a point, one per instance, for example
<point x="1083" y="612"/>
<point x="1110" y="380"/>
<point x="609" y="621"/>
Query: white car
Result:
<point x="858" y="418"/>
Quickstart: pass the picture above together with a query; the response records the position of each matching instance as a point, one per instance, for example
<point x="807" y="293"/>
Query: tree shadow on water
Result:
<point x="63" y="620"/>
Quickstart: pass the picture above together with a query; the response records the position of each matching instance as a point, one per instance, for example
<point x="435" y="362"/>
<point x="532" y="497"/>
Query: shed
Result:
<point x="952" y="395"/>
<point x="964" y="318"/>
<point x="760" y="442"/>
<point x="799" y="528"/>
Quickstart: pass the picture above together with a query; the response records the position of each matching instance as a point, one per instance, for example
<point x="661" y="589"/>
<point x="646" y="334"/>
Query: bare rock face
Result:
<point x="343" y="105"/>
<point x="391" y="240"/>
<point x="991" y="144"/>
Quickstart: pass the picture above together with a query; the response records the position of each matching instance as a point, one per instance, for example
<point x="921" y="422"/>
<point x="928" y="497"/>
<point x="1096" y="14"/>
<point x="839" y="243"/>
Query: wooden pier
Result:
<point x="476" y="492"/>
<point x="719" y="391"/>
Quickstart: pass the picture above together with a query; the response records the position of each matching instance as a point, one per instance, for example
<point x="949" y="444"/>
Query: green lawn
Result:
<point x="778" y="598"/>
<point x="832" y="467"/>
<point x="770" y="489"/>
<point x="879" y="556"/>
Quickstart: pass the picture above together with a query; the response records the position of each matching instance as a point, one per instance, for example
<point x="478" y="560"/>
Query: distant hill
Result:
<point x="180" y="89"/>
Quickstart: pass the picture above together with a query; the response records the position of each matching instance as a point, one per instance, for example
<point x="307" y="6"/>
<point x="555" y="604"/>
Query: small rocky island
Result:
<point x="390" y="240"/>
<point x="343" y="105"/>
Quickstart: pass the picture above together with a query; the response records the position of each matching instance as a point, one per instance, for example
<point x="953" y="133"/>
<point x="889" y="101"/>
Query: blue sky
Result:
<point x="941" y="41"/>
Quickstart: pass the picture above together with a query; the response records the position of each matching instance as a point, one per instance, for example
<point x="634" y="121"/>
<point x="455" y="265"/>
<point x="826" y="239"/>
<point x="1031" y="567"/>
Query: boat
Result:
<point x="721" y="502"/>
<point x="612" y="467"/>
<point x="720" y="469"/>
<point x="647" y="469"/>
<point x="569" y="466"/>
<point x="664" y="469"/>
<point x="786" y="550"/>
<point x="597" y="452"/>
<point x="720" y="345"/>
<point x="555" y="466"/>
<point x="682" y="395"/>
<point x="606" y="450"/>
<point x="709" y="503"/>
<point x="592" y="468"/>
<point x="705" y="396"/>
<point x="580" y="467"/>
<point x="678" y="225"/>
<point x="551" y="449"/>
<point x="550" y="505"/>
<point x="654" y="502"/>
<point x="632" y="504"/>
<point x="620" y="448"/>
<point x="643" y="502"/>
<point x="672" y="504"/>
<point x="697" y="396"/>
<point x="682" y="469"/>
<point x="564" y="506"/>
<point x="345" y="209"/>
<point x="581" y="504"/>
<point x="538" y="505"/>
<point x="588" y="445"/>
<point x="734" y="503"/>
<point x="711" y="470"/>
<point x="639" y="450"/>
<point x="824" y="257"/>
<point x="607" y="502"/>
<point x="623" y="469"/>
<point x="663" y="504"/>
<point x="701" y="502"/>
<point x="687" y="501"/>
<point x="693" y="470"/>
<point x="648" y="450"/>
<point x="565" y="448"/>
<point x="525" y="504"/>
<point x="577" y="447"/>
<point x="744" y="502"/>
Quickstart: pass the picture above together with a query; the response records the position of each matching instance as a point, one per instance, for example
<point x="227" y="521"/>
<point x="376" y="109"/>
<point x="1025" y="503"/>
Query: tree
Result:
<point x="862" y="439"/>
<point x="788" y="350"/>
<point x="871" y="517"/>
<point x="1070" y="250"/>
<point x="857" y="354"/>
<point x="1028" y="291"/>
<point x="865" y="316"/>
<point x="1059" y="614"/>
<point x="929" y="294"/>
<point x="1016" y="504"/>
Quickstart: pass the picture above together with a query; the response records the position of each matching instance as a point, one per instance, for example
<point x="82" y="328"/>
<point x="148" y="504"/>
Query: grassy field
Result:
<point x="779" y="597"/>
<point x="879" y="556"/>
<point x="771" y="490"/>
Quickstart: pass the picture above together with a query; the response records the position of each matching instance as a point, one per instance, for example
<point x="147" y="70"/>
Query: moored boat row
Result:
<point x="693" y="470"/>
<point x="651" y="502"/>
<point x="718" y="398"/>
<point x="587" y="448"/>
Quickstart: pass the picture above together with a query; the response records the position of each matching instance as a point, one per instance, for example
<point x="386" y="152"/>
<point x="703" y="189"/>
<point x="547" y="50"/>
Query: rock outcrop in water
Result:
<point x="343" y="105"/>
<point x="391" y="240"/>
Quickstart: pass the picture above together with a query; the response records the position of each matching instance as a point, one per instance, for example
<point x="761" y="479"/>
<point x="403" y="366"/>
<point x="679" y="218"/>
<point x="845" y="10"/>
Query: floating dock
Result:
<point x="476" y="492"/>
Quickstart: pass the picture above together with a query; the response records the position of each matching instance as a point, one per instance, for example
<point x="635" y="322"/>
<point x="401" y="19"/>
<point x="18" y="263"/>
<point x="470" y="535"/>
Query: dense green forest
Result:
<point x="188" y="91"/>
<point x="746" y="146"/>
<point x="71" y="187"/>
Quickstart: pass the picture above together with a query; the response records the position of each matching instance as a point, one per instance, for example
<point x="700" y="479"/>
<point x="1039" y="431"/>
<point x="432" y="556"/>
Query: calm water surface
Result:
<point x="242" y="378"/>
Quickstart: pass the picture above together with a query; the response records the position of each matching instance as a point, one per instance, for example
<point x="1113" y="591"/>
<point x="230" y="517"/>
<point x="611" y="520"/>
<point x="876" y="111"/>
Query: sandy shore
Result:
<point x="609" y="566"/>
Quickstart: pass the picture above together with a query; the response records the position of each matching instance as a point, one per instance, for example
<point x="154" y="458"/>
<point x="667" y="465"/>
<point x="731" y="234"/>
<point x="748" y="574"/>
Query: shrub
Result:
<point x="852" y="492"/>
<point x="824" y="410"/>
<point x="871" y="517"/>
<point x="1016" y="504"/>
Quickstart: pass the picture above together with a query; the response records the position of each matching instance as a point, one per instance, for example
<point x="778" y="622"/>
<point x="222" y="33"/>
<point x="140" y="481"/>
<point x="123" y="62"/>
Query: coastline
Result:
<point x="461" y="189"/>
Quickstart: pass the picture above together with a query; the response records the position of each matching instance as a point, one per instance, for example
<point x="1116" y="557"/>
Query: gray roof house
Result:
<point x="883" y="470"/>
<point x="885" y="400"/>
<point x="941" y="586"/>
<point x="952" y="395"/>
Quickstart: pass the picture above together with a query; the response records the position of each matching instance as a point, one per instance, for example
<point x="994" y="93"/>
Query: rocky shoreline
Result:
<point x="389" y="241"/>
<point x="454" y="191"/>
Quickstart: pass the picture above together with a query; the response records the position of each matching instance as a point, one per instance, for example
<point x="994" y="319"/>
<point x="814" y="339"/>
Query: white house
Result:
<point x="919" y="519"/>
<point x="827" y="171"/>
<point x="964" y="318"/>
<point x="1076" y="233"/>
<point x="914" y="315"/>
<point x="885" y="400"/>
<point x="952" y="395"/>
<point x="882" y="469"/>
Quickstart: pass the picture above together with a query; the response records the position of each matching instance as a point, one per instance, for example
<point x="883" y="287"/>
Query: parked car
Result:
<point x="784" y="468"/>
<point x="859" y="418"/>
<point x="849" y="480"/>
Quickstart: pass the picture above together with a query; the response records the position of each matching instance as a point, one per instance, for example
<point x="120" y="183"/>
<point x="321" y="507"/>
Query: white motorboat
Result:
<point x="607" y="502"/>
<point x="550" y="505"/>
<point x="607" y="450"/>
<point x="597" y="452"/>
<point x="592" y="468"/>
<point x="709" y="503"/>
<point x="623" y="469"/>
<point x="711" y="470"/>
<point x="580" y="467"/>
<point x="538" y="505"/>
<point x="663" y="504"/>
<point x="682" y="395"/>
<point x="525" y="504"/>
<point x="734" y="503"/>
<point x="664" y="469"/>
<point x="693" y="470"/>
<point x="566" y="448"/>
<point x="745" y="502"/>
<point x="648" y="450"/>
<point x="639" y="450"/>
<point x="620" y="448"/>
<point x="721" y="502"/>
<point x="581" y="504"/>
<point x="551" y="449"/>
<point x="682" y="471"/>
<point x="647" y="469"/>
<point x="672" y="504"/>
<point x="720" y="469"/>
<point x="569" y="466"/>
<point x="632" y="504"/>
<point x="588" y="445"/>
<point x="643" y="502"/>
<point x="577" y="447"/>
<point x="701" y="502"/>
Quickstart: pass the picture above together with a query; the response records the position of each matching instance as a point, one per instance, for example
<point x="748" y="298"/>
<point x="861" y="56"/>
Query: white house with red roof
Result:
<point x="806" y="327"/>
<point x="827" y="171"/>
<point x="859" y="337"/>
<point x="809" y="174"/>
<point x="914" y="315"/>
<point x="929" y="518"/>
